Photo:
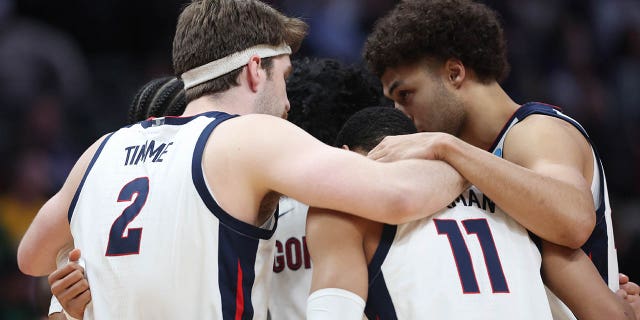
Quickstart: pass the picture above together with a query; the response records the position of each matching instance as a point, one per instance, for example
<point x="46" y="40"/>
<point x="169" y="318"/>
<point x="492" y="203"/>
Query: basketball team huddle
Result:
<point x="254" y="186"/>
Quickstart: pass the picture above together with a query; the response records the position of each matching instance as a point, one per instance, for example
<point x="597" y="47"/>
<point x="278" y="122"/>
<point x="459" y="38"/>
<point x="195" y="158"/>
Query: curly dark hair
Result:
<point x="441" y="29"/>
<point x="324" y="92"/>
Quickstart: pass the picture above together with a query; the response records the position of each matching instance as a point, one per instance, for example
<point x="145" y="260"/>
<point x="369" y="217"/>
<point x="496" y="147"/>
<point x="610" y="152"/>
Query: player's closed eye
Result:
<point x="404" y="96"/>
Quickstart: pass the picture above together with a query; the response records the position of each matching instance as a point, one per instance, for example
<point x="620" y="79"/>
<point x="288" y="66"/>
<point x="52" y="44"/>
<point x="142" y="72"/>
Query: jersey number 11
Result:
<point x="479" y="227"/>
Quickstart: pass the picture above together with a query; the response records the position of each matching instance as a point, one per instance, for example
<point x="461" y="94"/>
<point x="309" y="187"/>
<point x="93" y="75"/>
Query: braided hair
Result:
<point x="157" y="98"/>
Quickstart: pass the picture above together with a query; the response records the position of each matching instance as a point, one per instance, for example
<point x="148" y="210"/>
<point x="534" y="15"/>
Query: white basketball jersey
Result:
<point x="292" y="264"/>
<point x="469" y="261"/>
<point x="600" y="246"/>
<point x="155" y="242"/>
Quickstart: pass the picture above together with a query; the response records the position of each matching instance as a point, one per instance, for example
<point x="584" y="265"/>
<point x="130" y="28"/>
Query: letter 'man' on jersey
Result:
<point x="155" y="242"/>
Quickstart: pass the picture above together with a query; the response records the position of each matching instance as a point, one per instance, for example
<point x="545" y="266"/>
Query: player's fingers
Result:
<point x="633" y="300"/>
<point x="374" y="154"/>
<point x="57" y="316"/>
<point x="73" y="292"/>
<point x="78" y="288"/>
<point x="74" y="255"/>
<point x="621" y="293"/>
<point x="623" y="278"/>
<point x="379" y="157"/>
<point x="61" y="273"/>
<point x="76" y="306"/>
<point x="631" y="288"/>
<point x="58" y="287"/>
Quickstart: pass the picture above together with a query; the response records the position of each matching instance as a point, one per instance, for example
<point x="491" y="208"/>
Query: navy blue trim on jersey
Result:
<point x="386" y="239"/>
<point x="176" y="121"/>
<point x="72" y="206"/>
<point x="596" y="246"/>
<point x="502" y="133"/>
<point x="236" y="274"/>
<point x="200" y="184"/>
<point x="379" y="304"/>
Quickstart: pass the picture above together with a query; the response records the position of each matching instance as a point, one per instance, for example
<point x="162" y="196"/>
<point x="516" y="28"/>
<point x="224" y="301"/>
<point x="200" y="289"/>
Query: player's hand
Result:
<point x="58" y="316"/>
<point x="630" y="292"/>
<point x="424" y="145"/>
<point x="70" y="286"/>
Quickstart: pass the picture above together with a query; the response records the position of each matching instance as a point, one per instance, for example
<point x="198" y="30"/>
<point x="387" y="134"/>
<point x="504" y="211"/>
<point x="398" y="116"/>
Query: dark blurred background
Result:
<point x="68" y="71"/>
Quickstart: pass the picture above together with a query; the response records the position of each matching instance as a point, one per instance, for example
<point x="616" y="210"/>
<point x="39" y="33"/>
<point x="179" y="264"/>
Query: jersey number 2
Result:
<point x="119" y="245"/>
<point x="479" y="227"/>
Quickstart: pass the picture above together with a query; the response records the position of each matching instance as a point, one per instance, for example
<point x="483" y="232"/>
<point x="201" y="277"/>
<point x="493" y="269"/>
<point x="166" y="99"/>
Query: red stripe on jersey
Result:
<point x="239" y="294"/>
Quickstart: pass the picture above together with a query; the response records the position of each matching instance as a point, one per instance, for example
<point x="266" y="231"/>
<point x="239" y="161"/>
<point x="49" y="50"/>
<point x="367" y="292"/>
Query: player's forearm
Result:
<point x="430" y="186"/>
<point x="392" y="193"/>
<point x="569" y="273"/>
<point x="552" y="209"/>
<point x="335" y="242"/>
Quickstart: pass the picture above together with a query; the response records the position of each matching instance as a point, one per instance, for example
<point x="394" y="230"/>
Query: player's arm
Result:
<point x="290" y="161"/>
<point x="575" y="280"/>
<point x="340" y="277"/>
<point x="49" y="231"/>
<point x="540" y="182"/>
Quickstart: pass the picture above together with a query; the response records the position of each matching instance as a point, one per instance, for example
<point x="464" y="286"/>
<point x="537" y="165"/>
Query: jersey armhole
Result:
<point x="206" y="195"/>
<point x="72" y="206"/>
<point x="386" y="239"/>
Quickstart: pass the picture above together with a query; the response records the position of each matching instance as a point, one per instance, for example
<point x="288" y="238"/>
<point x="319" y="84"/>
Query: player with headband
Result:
<point x="175" y="216"/>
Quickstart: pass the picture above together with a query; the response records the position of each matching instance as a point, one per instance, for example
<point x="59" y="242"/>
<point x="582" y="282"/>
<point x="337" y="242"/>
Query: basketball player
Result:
<point x="323" y="94"/>
<point x="203" y="188"/>
<point x="158" y="97"/>
<point x="534" y="162"/>
<point x="432" y="268"/>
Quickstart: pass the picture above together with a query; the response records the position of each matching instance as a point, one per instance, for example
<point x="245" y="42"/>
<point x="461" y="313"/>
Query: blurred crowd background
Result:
<point x="68" y="71"/>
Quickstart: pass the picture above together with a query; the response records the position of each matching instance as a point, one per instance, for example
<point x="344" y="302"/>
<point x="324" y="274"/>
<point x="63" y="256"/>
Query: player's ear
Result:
<point x="346" y="147"/>
<point x="455" y="72"/>
<point x="254" y="77"/>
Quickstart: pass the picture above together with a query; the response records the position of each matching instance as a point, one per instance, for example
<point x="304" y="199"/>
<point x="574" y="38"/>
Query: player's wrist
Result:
<point x="446" y="147"/>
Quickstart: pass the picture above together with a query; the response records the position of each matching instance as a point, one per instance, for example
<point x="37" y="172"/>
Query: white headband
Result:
<point x="229" y="63"/>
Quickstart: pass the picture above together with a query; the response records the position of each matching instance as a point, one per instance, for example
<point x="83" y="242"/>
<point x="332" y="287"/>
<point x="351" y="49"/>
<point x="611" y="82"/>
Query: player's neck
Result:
<point x="232" y="101"/>
<point x="488" y="109"/>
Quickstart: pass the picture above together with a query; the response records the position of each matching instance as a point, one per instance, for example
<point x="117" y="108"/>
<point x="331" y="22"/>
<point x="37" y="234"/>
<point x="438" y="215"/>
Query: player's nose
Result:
<point x="401" y="108"/>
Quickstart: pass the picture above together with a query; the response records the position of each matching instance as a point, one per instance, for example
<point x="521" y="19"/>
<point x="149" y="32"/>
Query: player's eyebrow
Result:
<point x="394" y="85"/>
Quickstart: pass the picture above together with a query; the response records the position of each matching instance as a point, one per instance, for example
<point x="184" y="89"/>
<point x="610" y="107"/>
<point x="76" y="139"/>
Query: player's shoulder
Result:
<point x="541" y="121"/>
<point x="541" y="126"/>
<point x="258" y="121"/>
<point x="260" y="131"/>
<point x="91" y="151"/>
<point x="541" y="136"/>
<point x="82" y="164"/>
